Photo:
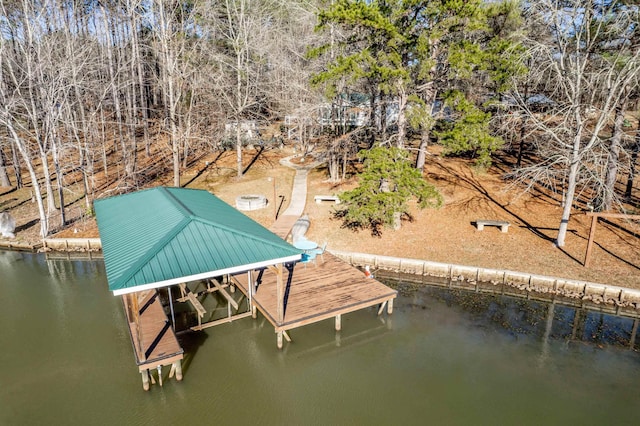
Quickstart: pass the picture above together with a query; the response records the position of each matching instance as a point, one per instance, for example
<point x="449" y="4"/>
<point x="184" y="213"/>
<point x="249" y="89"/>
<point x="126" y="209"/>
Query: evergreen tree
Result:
<point x="386" y="185"/>
<point x="418" y="53"/>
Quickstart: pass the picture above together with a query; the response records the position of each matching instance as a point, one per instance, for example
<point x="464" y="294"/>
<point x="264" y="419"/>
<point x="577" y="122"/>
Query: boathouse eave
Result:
<point x="205" y="275"/>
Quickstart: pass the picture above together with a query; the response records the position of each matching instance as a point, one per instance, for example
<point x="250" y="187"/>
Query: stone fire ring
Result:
<point x="251" y="202"/>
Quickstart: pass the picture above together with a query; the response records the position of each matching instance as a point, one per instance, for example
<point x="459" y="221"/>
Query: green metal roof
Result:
<point x="165" y="236"/>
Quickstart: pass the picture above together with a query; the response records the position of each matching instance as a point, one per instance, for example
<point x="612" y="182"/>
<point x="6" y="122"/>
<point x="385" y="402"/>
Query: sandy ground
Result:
<point x="442" y="235"/>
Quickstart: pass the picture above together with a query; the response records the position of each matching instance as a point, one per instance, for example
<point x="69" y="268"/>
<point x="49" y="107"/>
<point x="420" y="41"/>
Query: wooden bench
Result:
<point x="503" y="224"/>
<point x="320" y="198"/>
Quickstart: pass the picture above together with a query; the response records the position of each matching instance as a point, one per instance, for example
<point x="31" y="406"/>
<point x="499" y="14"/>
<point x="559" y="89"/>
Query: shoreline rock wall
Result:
<point x="607" y="298"/>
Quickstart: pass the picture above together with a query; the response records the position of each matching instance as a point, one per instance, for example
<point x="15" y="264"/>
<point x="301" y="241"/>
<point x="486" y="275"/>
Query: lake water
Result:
<point x="444" y="358"/>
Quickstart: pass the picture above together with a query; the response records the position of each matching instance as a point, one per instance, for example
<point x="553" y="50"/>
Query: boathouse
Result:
<point x="170" y="237"/>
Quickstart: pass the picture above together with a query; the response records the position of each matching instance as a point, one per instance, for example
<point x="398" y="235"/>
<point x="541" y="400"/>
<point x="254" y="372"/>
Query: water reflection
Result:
<point x="523" y="317"/>
<point x="443" y="357"/>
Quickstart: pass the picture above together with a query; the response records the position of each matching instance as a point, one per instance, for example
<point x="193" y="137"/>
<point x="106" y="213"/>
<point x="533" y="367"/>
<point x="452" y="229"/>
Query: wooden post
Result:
<point x="250" y="289"/>
<point x="275" y="204"/>
<point x="178" y="365"/>
<point x="338" y="322"/>
<point x="145" y="379"/>
<point x="279" y="301"/>
<point x="634" y="331"/>
<point x="173" y="316"/>
<point x="382" y="306"/>
<point x="135" y="308"/>
<point x="594" y="223"/>
<point x="390" y="307"/>
<point x="176" y="368"/>
<point x="159" y="368"/>
<point x="592" y="235"/>
<point x="279" y="294"/>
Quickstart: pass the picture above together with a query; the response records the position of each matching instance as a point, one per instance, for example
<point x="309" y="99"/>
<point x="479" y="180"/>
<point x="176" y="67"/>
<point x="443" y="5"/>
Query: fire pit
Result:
<point x="251" y="202"/>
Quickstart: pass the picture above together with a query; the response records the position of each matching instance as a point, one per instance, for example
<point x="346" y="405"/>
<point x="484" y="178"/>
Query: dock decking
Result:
<point x="316" y="292"/>
<point x="154" y="342"/>
<point x="282" y="226"/>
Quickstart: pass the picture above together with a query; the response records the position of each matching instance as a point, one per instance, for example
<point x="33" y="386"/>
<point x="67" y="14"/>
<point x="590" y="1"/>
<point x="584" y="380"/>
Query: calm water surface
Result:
<point x="442" y="358"/>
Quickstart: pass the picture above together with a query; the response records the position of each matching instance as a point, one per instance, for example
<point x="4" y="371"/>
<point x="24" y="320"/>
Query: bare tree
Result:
<point x="242" y="27"/>
<point x="582" y="89"/>
<point x="177" y="47"/>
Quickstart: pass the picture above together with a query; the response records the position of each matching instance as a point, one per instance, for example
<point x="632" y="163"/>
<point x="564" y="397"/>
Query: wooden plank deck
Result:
<point x="316" y="292"/>
<point x="155" y="329"/>
<point x="282" y="226"/>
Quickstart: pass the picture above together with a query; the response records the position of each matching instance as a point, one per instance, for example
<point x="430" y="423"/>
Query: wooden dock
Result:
<point x="282" y="226"/>
<point x="315" y="292"/>
<point x="154" y="342"/>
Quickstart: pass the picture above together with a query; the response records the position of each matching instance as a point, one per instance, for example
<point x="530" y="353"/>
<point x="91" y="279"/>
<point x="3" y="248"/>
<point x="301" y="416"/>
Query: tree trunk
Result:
<point x="428" y="95"/>
<point x="566" y="211"/>
<point x="613" y="159"/>
<point x="632" y="167"/>
<point x="24" y="152"/>
<point x="51" y="202"/>
<point x="175" y="140"/>
<point x="238" y="150"/>
<point x="397" y="221"/>
<point x="523" y="127"/>
<point x="4" y="177"/>
<point x="113" y="78"/>
<point x="17" y="170"/>
<point x="59" y="178"/>
<point x="402" y="118"/>
<point x="422" y="148"/>
<point x="332" y="166"/>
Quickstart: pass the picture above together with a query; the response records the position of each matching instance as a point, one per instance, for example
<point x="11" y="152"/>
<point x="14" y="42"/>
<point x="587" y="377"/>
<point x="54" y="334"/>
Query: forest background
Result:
<point x="522" y="112"/>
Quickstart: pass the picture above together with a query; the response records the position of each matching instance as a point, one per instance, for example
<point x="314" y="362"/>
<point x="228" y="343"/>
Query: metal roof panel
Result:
<point x="162" y="234"/>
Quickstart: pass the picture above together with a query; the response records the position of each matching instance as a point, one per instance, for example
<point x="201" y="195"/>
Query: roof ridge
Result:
<point x="153" y="251"/>
<point x="176" y="201"/>
<point x="192" y="215"/>
<point x="236" y="231"/>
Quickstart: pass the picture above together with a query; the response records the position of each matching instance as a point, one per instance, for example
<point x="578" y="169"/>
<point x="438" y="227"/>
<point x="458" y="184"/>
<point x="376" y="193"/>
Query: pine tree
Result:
<point x="417" y="53"/>
<point x="386" y="185"/>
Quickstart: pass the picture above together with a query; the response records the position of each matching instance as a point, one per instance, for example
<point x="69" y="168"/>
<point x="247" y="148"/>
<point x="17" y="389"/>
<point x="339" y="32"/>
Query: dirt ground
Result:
<point x="443" y="235"/>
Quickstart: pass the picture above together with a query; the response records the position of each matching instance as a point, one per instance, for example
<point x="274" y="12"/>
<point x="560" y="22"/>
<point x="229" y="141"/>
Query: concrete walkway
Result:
<point x="298" y="200"/>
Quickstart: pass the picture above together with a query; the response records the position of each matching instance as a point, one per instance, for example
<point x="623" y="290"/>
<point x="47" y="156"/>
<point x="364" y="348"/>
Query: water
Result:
<point x="442" y="358"/>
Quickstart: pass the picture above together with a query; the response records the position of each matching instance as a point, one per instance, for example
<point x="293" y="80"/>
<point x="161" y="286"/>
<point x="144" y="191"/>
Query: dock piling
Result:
<point x="145" y="379"/>
<point x="279" y="338"/>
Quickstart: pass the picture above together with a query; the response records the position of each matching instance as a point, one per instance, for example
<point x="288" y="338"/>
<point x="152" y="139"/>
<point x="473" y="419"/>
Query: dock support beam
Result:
<point x="145" y="379"/>
<point x="338" y="322"/>
<point x="282" y="335"/>
<point x="388" y="304"/>
<point x="176" y="368"/>
<point x="634" y="331"/>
